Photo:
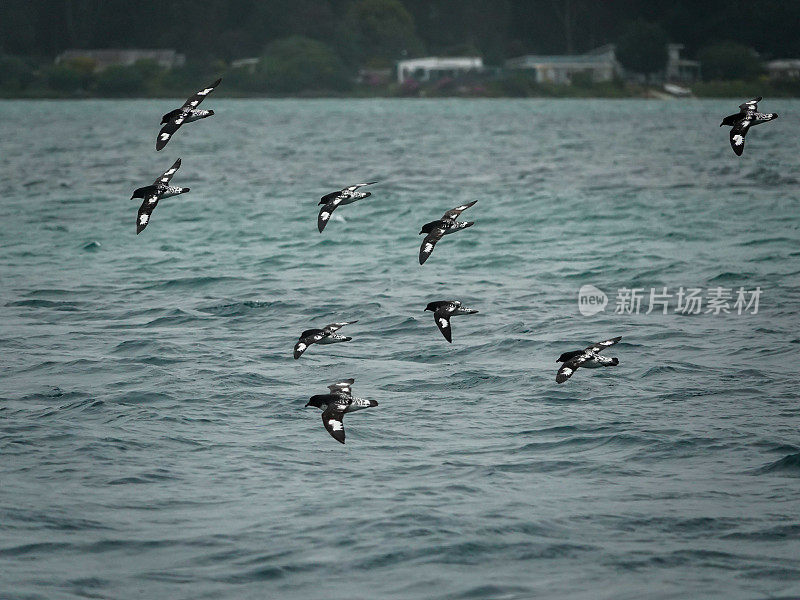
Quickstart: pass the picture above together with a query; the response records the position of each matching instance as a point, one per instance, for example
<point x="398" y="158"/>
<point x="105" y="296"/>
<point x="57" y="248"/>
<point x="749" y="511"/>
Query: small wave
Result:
<point x="174" y="317"/>
<point x="498" y="592"/>
<point x="234" y="309"/>
<point x="134" y="346"/>
<point x="65" y="306"/>
<point x="782" y="532"/>
<point x="789" y="465"/>
<point x="83" y="405"/>
<point x="728" y="276"/>
<point x="38" y="549"/>
<point x="161" y="475"/>
<point x="770" y="177"/>
<point x="767" y="241"/>
<point x="191" y="282"/>
<point x="143" y="398"/>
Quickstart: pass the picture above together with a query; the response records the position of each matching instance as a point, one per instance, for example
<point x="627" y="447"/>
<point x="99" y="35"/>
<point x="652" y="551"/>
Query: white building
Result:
<point x="433" y="68"/>
<point x="784" y="68"/>
<point x="103" y="59"/>
<point x="680" y="69"/>
<point x="248" y="64"/>
<point x="600" y="63"/>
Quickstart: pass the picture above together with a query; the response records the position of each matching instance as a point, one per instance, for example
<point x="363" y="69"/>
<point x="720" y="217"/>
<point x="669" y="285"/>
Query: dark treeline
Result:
<point x="381" y="31"/>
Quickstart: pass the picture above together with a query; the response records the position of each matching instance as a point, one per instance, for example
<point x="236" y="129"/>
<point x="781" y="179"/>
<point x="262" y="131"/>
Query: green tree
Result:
<point x="297" y="64"/>
<point x="71" y="75"/>
<point x="729" y="60"/>
<point x="642" y="47"/>
<point x="15" y="73"/>
<point x="380" y="32"/>
<point x="118" y="80"/>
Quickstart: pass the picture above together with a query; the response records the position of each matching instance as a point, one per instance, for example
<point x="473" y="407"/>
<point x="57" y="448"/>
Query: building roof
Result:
<point x="564" y="59"/>
<point x="445" y="62"/>
<point x="603" y="55"/>
<point x="783" y="63"/>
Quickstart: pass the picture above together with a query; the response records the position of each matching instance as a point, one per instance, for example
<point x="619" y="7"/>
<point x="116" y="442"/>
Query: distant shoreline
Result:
<point x="649" y="94"/>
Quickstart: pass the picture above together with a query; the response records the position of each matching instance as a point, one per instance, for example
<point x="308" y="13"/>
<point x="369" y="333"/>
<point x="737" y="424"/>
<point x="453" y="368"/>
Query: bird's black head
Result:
<point x="428" y="227"/>
<point x="173" y="113"/>
<point x="432" y="306"/>
<point x="567" y="355"/>
<point x="317" y="402"/>
<point x="210" y="113"/>
<point x="614" y="361"/>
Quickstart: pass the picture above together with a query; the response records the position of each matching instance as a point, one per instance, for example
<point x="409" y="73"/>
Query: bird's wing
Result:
<point x="168" y="130"/>
<point x="305" y="341"/>
<point x="145" y="210"/>
<point x="197" y="98"/>
<point x="167" y="175"/>
<point x="442" y="317"/>
<point x="353" y="188"/>
<point x="751" y="104"/>
<point x="336" y="326"/>
<point x="332" y="418"/>
<point x="300" y="347"/>
<point x="342" y="387"/>
<point x="738" y="132"/>
<point x="328" y="198"/>
<point x="600" y="346"/>
<point x="569" y="367"/>
<point x="454" y="212"/>
<point x="426" y="248"/>
<point x="326" y="211"/>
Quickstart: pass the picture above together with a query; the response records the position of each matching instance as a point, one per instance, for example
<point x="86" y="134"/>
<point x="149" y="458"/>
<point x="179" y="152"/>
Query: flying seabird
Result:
<point x="436" y="229"/>
<point x="185" y="114"/>
<point x="741" y="122"/>
<point x="443" y="310"/>
<point x="336" y="404"/>
<point x="153" y="193"/>
<point x="344" y="196"/>
<point x="325" y="335"/>
<point x="588" y="358"/>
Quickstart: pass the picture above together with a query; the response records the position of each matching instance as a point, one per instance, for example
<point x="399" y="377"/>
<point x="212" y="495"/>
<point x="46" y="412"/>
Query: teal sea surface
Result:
<point x="153" y="436"/>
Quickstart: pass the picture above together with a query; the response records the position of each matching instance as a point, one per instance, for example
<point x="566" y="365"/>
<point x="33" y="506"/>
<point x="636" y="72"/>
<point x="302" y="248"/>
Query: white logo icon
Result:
<point x="591" y="300"/>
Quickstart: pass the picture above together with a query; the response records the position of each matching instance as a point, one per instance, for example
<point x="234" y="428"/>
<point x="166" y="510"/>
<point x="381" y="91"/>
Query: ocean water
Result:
<point x="153" y="436"/>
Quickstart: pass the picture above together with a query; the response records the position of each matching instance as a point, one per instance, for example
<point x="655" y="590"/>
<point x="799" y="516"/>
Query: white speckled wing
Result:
<point x="428" y="243"/>
<point x="569" y="367"/>
<point x="197" y="98"/>
<point x="453" y="213"/>
<point x="442" y="318"/>
<point x="600" y="346"/>
<point x="738" y="132"/>
<point x="145" y="210"/>
<point x="332" y="418"/>
<point x="167" y="175"/>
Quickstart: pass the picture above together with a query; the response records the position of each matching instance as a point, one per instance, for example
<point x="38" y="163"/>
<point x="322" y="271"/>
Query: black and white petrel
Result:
<point x="740" y="123"/>
<point x="326" y="335"/>
<point x="185" y="114"/>
<point x="336" y="404"/>
<point x="437" y="229"/>
<point x="443" y="310"/>
<point x="588" y="358"/>
<point x="344" y="196"/>
<point x="153" y="193"/>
